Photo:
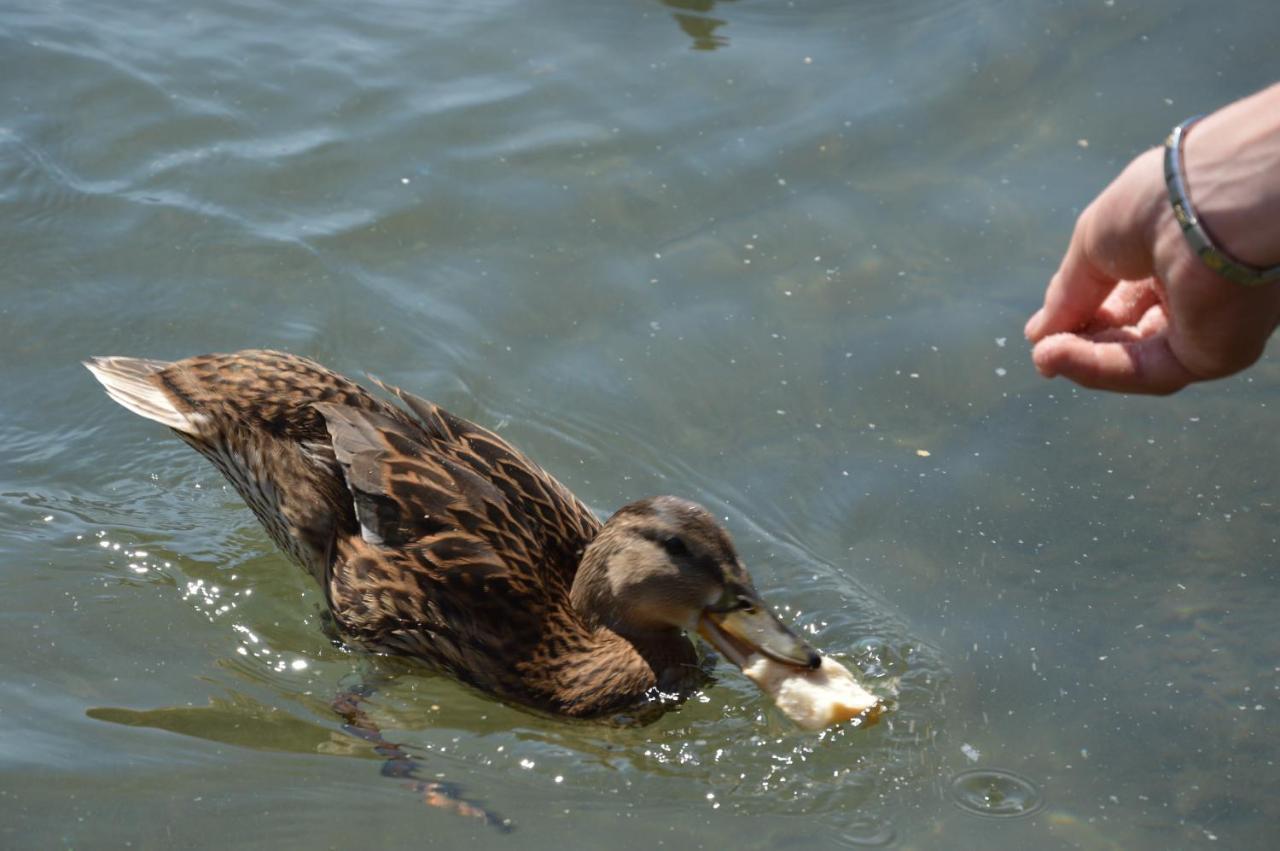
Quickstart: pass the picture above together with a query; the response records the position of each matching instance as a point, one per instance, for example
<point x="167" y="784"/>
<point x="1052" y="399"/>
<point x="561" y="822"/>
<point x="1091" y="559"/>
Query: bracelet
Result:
<point x="1201" y="243"/>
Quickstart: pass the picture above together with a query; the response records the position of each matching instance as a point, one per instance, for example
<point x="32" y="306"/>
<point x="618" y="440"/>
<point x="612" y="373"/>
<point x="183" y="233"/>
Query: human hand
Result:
<point x="1132" y="308"/>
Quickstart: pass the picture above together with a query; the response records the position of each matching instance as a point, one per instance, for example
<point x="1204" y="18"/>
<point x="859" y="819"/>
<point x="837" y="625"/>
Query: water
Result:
<point x="772" y="257"/>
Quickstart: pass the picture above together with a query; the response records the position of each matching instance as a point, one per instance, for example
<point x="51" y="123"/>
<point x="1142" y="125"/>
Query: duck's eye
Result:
<point x="733" y="603"/>
<point x="675" y="546"/>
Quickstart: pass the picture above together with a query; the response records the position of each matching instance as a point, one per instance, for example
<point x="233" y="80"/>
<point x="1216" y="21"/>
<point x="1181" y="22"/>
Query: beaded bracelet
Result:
<point x="1213" y="256"/>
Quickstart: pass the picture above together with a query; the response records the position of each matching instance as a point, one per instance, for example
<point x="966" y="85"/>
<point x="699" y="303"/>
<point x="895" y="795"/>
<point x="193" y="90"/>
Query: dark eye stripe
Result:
<point x="675" y="546"/>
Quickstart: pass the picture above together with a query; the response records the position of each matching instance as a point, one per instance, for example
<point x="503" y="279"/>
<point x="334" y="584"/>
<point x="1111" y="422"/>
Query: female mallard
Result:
<point x="434" y="538"/>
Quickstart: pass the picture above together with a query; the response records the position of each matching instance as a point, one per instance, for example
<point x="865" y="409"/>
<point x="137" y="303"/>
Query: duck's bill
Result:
<point x="743" y="633"/>
<point x="813" y="691"/>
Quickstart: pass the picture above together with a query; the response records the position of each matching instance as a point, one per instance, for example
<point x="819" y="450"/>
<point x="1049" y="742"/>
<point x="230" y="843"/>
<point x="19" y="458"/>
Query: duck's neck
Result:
<point x="613" y="667"/>
<point x="592" y="596"/>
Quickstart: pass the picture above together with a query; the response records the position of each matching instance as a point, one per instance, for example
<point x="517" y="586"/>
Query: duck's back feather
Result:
<point x="317" y="457"/>
<point x="485" y="465"/>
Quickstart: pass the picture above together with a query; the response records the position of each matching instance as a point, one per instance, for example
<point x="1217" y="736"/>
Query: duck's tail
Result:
<point x="252" y="414"/>
<point x="136" y="384"/>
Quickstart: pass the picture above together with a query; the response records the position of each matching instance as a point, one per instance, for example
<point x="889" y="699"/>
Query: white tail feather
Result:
<point x="131" y="382"/>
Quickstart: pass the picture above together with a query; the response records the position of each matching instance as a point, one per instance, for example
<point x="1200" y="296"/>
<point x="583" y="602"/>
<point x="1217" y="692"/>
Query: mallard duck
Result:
<point x="434" y="538"/>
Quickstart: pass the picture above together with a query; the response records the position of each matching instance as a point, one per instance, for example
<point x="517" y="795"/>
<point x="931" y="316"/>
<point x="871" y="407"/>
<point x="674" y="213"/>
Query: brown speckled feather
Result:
<point x="431" y="530"/>
<point x="432" y="536"/>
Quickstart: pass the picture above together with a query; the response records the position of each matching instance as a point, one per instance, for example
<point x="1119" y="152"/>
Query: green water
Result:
<point x="762" y="255"/>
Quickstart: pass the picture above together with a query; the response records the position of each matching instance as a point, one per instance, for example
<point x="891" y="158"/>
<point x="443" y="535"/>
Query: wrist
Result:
<point x="1232" y="172"/>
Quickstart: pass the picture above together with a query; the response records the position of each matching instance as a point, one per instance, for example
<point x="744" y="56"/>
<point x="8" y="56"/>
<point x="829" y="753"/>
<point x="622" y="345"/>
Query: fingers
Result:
<point x="1125" y="305"/>
<point x="1111" y="243"/>
<point x="1143" y="365"/>
<point x="1077" y="289"/>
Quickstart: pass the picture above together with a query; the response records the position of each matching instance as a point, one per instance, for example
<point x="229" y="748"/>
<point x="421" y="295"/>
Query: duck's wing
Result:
<point x="405" y="490"/>
<point x="442" y="568"/>
<point x="535" y="502"/>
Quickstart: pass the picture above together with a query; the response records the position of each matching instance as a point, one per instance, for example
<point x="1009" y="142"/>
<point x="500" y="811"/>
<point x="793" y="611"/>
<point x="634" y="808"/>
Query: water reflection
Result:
<point x="241" y="721"/>
<point x="244" y="722"/>
<point x="694" y="19"/>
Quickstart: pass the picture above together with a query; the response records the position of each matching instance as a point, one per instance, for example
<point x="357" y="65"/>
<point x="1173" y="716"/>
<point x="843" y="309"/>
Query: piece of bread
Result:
<point x="814" y="699"/>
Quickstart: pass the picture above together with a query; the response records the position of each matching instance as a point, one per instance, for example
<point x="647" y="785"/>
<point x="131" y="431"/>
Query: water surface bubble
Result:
<point x="995" y="793"/>
<point x="877" y="658"/>
<point x="867" y="833"/>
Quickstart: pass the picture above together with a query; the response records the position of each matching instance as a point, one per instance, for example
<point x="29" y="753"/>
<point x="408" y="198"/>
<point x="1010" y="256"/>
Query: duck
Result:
<point x="434" y="538"/>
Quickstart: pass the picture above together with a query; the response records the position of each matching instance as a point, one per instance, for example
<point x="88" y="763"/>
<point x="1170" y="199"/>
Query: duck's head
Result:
<point x="662" y="565"/>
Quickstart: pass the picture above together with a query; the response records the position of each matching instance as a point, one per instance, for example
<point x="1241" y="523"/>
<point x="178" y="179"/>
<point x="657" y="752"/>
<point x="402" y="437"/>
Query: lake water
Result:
<point x="774" y="257"/>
